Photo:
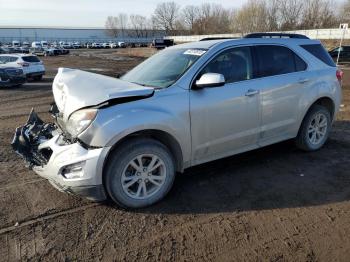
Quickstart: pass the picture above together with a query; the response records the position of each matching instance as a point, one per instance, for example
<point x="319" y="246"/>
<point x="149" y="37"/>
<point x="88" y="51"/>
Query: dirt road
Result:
<point x="275" y="204"/>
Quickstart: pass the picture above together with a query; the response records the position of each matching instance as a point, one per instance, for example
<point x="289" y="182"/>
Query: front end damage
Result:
<point x="28" y="138"/>
<point x="68" y="165"/>
<point x="54" y="150"/>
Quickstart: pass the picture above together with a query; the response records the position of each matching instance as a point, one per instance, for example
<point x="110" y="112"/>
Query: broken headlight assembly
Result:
<point x="80" y="120"/>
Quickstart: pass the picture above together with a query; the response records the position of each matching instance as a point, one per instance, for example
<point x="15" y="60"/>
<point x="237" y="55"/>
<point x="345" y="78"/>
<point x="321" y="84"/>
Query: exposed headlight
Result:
<point x="80" y="120"/>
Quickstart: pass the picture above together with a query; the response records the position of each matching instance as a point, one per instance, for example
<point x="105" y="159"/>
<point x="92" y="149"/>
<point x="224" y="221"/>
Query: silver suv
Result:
<point x="189" y="104"/>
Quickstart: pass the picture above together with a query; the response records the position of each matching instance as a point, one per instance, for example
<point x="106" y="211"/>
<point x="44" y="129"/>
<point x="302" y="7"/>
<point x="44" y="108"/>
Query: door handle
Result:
<point x="252" y="92"/>
<point x="303" y="80"/>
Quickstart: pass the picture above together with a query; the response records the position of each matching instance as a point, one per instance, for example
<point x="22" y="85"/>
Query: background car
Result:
<point x="11" y="76"/>
<point x="344" y="55"/>
<point x="31" y="64"/>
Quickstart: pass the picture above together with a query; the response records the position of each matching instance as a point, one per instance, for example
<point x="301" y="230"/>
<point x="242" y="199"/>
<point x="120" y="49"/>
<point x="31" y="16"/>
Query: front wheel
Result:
<point x="315" y="128"/>
<point x="139" y="173"/>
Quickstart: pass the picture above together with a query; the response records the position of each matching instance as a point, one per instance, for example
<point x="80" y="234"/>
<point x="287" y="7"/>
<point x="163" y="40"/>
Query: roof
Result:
<point x="17" y="54"/>
<point x="241" y="41"/>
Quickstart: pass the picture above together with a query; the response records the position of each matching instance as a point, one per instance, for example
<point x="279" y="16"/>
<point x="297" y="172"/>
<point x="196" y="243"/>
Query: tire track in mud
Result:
<point x="14" y="185"/>
<point x="43" y="218"/>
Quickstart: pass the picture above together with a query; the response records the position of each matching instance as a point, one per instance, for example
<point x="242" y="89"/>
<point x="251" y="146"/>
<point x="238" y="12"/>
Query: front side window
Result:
<point x="278" y="60"/>
<point x="4" y="59"/>
<point x="164" y="68"/>
<point x="234" y="64"/>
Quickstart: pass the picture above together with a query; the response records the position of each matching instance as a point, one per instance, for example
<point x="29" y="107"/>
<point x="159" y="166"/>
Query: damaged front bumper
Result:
<point x="68" y="166"/>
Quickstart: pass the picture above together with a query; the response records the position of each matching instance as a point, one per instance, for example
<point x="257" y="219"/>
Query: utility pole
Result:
<point x="344" y="27"/>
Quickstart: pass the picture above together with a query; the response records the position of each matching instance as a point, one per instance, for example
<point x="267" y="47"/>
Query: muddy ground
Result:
<point x="272" y="204"/>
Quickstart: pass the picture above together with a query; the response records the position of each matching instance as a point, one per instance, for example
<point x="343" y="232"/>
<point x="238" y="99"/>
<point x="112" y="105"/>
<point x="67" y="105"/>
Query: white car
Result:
<point x="113" y="45"/>
<point x="31" y="64"/>
<point x="121" y="44"/>
<point x="36" y="44"/>
<point x="96" y="45"/>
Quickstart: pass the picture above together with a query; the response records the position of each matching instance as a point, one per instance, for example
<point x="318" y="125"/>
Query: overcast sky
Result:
<point x="81" y="13"/>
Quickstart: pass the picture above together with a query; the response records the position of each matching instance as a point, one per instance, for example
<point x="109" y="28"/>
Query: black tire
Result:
<point x="302" y="140"/>
<point x="121" y="158"/>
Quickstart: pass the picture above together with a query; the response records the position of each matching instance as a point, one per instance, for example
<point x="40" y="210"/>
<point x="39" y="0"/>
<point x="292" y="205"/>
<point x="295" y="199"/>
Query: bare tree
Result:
<point x="165" y="16"/>
<point x="212" y="19"/>
<point x="291" y="12"/>
<point x="111" y="26"/>
<point x="190" y="14"/>
<point x="139" y="24"/>
<point x="122" y="23"/>
<point x="272" y="14"/>
<point x="252" y="17"/>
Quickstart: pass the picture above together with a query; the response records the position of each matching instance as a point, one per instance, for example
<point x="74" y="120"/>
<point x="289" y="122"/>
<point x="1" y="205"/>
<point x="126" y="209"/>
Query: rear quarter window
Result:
<point x="31" y="59"/>
<point x="277" y="60"/>
<point x="319" y="52"/>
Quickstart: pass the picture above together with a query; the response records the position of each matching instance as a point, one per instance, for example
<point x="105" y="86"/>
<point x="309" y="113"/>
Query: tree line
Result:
<point x="253" y="16"/>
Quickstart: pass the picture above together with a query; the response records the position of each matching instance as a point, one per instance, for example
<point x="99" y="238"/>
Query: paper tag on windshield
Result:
<point x="196" y="52"/>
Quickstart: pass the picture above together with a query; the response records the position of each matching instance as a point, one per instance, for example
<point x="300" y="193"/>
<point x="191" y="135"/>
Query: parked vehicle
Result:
<point x="26" y="44"/>
<point x="96" y="45"/>
<point x="39" y="51"/>
<point x="63" y="51"/>
<point x="76" y="45"/>
<point x="121" y="44"/>
<point x="31" y="64"/>
<point x="112" y="45"/>
<point x="16" y="43"/>
<point x="11" y="76"/>
<point x="105" y="45"/>
<point x="189" y="104"/>
<point x="161" y="43"/>
<point x="344" y="55"/>
<point x="24" y="50"/>
<point x="51" y="51"/>
<point x="36" y="44"/>
<point x="44" y="44"/>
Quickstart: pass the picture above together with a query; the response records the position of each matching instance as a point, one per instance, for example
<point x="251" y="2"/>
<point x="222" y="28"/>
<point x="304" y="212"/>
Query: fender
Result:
<point x="326" y="88"/>
<point x="164" y="112"/>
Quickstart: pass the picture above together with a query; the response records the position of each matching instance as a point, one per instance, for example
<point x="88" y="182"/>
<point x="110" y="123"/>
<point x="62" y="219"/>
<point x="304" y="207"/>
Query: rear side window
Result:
<point x="277" y="60"/>
<point x="30" y="59"/>
<point x="318" y="51"/>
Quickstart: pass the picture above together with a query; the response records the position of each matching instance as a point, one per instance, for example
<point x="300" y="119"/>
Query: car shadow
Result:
<point x="277" y="176"/>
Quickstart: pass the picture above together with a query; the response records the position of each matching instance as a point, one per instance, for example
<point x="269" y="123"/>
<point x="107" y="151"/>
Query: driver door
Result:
<point x="225" y="120"/>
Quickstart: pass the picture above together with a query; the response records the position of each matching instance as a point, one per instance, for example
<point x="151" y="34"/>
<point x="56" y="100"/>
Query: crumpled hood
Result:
<point x="74" y="89"/>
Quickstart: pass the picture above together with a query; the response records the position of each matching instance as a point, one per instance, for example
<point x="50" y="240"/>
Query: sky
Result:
<point x="81" y="13"/>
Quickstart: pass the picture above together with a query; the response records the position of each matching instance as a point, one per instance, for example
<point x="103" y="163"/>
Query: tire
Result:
<point x="120" y="171"/>
<point x="306" y="133"/>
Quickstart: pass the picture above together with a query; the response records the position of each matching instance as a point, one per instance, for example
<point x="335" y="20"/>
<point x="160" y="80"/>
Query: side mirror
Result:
<point x="210" y="80"/>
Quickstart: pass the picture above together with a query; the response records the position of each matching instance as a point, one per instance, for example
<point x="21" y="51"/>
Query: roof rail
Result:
<point x="275" y="35"/>
<point x="216" y="38"/>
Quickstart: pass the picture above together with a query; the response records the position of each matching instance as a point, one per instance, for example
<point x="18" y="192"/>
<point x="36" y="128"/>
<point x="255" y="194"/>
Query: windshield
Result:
<point x="164" y="68"/>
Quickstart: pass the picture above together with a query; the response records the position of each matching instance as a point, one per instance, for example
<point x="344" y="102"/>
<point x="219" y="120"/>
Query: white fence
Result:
<point x="313" y="34"/>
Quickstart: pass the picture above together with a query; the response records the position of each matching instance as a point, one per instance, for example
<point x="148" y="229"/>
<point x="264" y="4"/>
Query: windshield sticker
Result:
<point x="196" y="52"/>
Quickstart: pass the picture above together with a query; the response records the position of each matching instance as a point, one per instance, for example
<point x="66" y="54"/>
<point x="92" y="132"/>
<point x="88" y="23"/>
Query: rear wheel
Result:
<point x="139" y="173"/>
<point x="315" y="128"/>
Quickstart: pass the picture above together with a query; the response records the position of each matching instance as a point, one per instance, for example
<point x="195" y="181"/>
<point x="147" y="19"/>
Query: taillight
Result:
<point x="339" y="75"/>
<point x="23" y="64"/>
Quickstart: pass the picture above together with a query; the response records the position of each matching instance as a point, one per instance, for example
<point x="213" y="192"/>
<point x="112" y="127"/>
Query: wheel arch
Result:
<point x="161" y="136"/>
<point x="325" y="101"/>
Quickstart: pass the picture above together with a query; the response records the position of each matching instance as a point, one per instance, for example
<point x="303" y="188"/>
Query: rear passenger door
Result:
<point x="282" y="78"/>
